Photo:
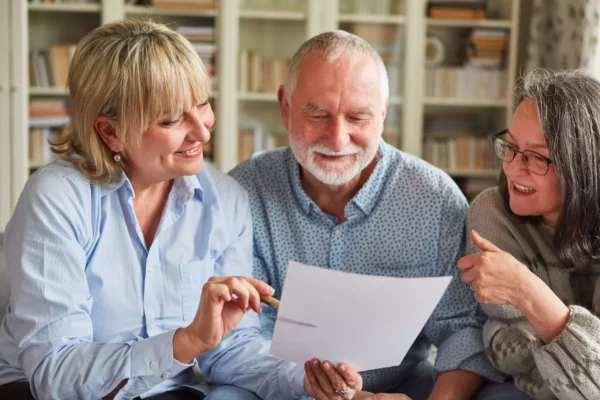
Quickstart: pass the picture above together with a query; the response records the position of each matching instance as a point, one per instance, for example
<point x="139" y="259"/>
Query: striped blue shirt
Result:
<point x="91" y="305"/>
<point x="406" y="221"/>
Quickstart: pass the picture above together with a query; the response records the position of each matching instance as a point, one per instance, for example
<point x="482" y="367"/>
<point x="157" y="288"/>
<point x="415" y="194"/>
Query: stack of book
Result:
<point x="252" y="140"/>
<point x="260" y="75"/>
<point x="457" y="9"/>
<point x="50" y="67"/>
<point x="465" y="83"/>
<point x="460" y="153"/>
<point x="487" y="48"/>
<point x="48" y="118"/>
<point x="202" y="39"/>
<point x="456" y="142"/>
<point x="187" y="4"/>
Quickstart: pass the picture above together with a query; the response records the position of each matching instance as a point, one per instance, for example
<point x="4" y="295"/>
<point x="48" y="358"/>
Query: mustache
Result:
<point x="351" y="149"/>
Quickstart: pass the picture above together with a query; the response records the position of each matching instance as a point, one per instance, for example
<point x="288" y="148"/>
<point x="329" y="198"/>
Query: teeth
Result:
<point x="190" y="151"/>
<point x="524" y="189"/>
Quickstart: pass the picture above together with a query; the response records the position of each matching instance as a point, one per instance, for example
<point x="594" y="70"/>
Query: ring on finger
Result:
<point x="342" y="392"/>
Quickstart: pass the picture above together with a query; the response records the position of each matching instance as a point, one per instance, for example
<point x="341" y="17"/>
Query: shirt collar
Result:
<point x="185" y="187"/>
<point x="367" y="196"/>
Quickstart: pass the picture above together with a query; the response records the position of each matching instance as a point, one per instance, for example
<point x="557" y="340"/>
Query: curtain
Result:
<point x="564" y="35"/>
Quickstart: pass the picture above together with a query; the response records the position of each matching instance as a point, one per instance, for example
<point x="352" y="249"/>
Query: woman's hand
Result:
<point x="324" y="381"/>
<point x="495" y="276"/>
<point x="223" y="303"/>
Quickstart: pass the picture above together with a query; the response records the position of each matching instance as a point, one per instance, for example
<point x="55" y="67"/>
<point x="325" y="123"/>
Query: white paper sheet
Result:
<point x="365" y="321"/>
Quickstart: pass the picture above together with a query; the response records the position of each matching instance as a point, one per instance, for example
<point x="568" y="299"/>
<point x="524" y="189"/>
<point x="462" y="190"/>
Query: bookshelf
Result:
<point x="273" y="29"/>
<point x="478" y="74"/>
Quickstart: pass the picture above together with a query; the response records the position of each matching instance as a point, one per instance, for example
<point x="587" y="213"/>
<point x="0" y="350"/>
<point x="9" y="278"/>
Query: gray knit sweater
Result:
<point x="568" y="367"/>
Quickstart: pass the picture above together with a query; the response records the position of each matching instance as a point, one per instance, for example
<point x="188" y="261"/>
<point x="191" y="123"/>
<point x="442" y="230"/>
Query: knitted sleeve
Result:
<point x="568" y="367"/>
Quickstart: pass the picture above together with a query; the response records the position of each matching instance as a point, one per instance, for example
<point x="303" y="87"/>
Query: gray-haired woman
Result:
<point x="537" y="272"/>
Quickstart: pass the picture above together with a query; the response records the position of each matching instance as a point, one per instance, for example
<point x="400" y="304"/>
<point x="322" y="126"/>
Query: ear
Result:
<point x="385" y="108"/>
<point x="109" y="133"/>
<point x="284" y="107"/>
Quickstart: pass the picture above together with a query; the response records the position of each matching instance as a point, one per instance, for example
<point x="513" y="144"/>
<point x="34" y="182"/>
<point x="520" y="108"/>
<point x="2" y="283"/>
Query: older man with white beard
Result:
<point x="340" y="197"/>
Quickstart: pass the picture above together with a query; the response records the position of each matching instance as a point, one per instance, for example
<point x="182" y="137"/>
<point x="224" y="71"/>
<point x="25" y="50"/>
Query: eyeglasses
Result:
<point x="506" y="151"/>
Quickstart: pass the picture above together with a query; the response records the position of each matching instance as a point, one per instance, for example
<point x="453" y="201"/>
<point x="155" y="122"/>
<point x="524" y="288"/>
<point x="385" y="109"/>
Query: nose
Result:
<point x="339" y="134"/>
<point x="201" y="121"/>
<point x="516" y="166"/>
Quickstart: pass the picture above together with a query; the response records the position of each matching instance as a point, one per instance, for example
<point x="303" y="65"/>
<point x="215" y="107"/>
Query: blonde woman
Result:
<point x="127" y="260"/>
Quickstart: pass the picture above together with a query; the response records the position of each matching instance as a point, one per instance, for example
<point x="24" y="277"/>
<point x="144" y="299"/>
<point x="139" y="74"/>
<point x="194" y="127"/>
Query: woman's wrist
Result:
<point x="185" y="347"/>
<point x="524" y="293"/>
<point x="543" y="308"/>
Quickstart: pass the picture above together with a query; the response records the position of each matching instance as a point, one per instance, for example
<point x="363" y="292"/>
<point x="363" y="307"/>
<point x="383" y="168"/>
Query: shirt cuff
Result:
<point x="464" y="350"/>
<point x="291" y="380"/>
<point x="154" y="357"/>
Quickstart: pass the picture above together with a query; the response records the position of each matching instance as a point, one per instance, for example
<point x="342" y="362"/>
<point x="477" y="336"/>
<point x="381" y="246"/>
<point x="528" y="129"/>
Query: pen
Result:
<point x="273" y="302"/>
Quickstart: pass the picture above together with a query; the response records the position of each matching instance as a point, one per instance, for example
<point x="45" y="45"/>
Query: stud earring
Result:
<point x="117" y="157"/>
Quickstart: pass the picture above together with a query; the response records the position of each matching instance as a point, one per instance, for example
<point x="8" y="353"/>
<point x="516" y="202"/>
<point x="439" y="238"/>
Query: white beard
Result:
<point x="333" y="173"/>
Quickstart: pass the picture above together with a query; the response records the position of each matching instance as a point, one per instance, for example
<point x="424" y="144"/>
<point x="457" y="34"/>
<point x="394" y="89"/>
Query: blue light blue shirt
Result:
<point x="91" y="305"/>
<point x="406" y="221"/>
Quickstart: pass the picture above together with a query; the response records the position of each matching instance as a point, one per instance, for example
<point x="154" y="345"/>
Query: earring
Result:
<point x="117" y="157"/>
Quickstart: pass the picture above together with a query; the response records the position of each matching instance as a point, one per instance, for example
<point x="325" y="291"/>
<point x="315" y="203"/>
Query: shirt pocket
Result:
<point x="193" y="277"/>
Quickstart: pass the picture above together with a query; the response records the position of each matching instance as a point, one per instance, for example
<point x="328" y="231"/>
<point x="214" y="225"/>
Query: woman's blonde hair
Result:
<point x="133" y="73"/>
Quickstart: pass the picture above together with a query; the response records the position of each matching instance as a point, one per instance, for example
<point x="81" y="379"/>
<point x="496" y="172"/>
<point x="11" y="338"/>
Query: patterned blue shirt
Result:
<point x="406" y="221"/>
<point x="91" y="305"/>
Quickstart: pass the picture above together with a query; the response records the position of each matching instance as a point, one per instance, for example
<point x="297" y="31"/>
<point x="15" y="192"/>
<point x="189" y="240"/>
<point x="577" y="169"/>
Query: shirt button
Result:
<point x="152" y="321"/>
<point x="338" y="232"/>
<point x="166" y="375"/>
<point x="154" y="364"/>
<point x="150" y="269"/>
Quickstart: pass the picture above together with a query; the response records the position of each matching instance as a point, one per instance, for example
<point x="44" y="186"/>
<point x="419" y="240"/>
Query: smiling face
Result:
<point x="531" y="194"/>
<point x="335" y="118"/>
<point x="171" y="147"/>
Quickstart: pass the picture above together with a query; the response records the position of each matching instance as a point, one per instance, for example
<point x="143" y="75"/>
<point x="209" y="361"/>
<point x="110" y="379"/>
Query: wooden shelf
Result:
<point x="48" y="91"/>
<point x="273" y="15"/>
<point x="467" y="23"/>
<point x="472" y="173"/>
<point x="146" y="10"/>
<point x="373" y="18"/>
<point x="257" y="96"/>
<point x="67" y="7"/>
<point x="458" y="102"/>
<point x="48" y="122"/>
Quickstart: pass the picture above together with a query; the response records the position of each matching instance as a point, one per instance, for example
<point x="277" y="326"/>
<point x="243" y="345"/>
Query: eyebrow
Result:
<point x="532" y="145"/>
<point x="313" y="107"/>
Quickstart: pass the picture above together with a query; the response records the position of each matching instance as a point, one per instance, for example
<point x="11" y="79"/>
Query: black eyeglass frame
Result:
<point x="523" y="153"/>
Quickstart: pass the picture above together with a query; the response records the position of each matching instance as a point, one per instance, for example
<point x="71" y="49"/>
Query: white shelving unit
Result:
<point x="496" y="111"/>
<point x="275" y="32"/>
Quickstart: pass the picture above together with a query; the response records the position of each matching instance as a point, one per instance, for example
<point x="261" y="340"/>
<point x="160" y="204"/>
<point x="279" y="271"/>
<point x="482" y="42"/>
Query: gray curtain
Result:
<point x="564" y="35"/>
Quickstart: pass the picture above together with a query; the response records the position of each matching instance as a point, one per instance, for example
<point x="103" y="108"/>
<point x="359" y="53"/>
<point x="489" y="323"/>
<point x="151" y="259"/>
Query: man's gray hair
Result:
<point x="332" y="45"/>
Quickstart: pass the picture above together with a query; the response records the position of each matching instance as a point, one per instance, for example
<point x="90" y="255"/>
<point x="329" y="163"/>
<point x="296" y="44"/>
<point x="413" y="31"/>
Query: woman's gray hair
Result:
<point x="332" y="45"/>
<point x="568" y="106"/>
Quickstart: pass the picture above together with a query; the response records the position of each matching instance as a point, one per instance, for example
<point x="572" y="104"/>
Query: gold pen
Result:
<point x="273" y="302"/>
